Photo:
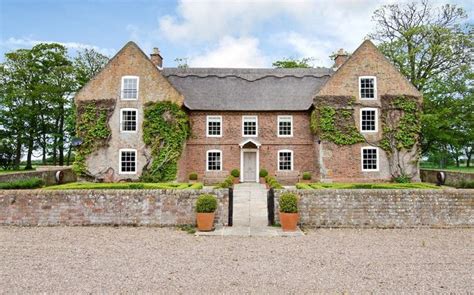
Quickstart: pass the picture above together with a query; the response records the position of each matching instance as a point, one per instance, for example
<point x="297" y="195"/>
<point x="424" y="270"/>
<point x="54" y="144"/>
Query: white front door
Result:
<point x="250" y="166"/>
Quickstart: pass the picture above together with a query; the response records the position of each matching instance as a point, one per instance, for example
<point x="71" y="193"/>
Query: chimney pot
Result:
<point x="156" y="58"/>
<point x="340" y="57"/>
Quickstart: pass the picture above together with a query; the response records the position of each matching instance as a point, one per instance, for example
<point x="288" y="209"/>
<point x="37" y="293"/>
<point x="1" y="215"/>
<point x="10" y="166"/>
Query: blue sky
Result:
<point x="227" y="33"/>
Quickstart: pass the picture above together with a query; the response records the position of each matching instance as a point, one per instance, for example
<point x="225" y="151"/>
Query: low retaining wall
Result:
<point x="105" y="207"/>
<point x="384" y="208"/>
<point x="452" y="178"/>
<point x="47" y="174"/>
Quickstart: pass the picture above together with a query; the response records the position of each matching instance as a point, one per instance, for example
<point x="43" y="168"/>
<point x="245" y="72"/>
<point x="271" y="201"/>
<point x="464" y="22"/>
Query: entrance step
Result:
<point x="250" y="215"/>
<point x="246" y="231"/>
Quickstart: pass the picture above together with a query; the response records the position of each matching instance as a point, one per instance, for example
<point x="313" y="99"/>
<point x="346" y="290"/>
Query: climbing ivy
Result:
<point x="92" y="127"/>
<point x="401" y="123"/>
<point x="335" y="125"/>
<point x="165" y="130"/>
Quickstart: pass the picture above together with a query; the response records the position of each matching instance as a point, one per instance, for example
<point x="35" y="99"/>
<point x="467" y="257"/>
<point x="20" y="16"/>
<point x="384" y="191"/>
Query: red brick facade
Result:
<point x="301" y="143"/>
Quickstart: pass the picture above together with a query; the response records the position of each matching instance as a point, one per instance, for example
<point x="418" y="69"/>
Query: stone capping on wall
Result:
<point x="168" y="207"/>
<point x="383" y="208"/>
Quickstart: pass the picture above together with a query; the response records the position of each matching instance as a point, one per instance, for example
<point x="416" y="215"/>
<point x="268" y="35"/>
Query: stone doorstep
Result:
<point x="245" y="231"/>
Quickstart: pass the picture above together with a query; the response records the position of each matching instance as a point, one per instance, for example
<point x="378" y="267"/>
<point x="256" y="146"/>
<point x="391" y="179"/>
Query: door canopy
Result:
<point x="250" y="144"/>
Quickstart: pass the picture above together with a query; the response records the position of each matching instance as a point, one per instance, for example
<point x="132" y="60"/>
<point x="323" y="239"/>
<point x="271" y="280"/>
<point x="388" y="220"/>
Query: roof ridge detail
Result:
<point x="246" y="79"/>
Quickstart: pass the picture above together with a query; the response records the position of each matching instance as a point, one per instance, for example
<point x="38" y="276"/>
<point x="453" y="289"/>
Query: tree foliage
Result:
<point x="432" y="47"/>
<point x="293" y="63"/>
<point x="37" y="112"/>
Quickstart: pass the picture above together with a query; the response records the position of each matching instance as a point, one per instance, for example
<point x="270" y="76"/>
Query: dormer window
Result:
<point x="368" y="87"/>
<point x="129" y="88"/>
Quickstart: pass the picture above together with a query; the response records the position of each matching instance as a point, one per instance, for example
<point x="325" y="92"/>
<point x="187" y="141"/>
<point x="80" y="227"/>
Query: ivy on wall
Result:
<point x="92" y="127"/>
<point x="165" y="130"/>
<point x="401" y="123"/>
<point x="333" y="120"/>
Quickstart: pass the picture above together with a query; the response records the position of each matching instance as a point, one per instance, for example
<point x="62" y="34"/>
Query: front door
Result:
<point x="250" y="166"/>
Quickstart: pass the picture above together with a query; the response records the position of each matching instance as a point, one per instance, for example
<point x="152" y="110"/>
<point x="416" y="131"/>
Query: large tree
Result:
<point x="432" y="47"/>
<point x="37" y="86"/>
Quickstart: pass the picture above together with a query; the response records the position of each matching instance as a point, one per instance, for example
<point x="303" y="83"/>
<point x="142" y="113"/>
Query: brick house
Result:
<point x="248" y="119"/>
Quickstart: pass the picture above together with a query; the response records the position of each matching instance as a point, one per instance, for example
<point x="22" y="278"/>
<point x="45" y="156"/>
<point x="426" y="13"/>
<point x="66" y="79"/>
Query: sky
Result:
<point x="208" y="33"/>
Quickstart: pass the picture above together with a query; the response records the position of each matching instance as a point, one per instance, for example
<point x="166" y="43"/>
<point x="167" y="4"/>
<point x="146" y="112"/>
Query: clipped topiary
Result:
<point x="306" y="175"/>
<point x="193" y="176"/>
<point x="206" y="204"/>
<point x="235" y="173"/>
<point x="263" y="172"/>
<point x="288" y="203"/>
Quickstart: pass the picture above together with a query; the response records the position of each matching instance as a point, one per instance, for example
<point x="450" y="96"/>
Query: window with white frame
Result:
<point x="368" y="120"/>
<point x="285" y="160"/>
<point x="214" y="160"/>
<point x="249" y="126"/>
<point x="128" y="161"/>
<point x="214" y="126"/>
<point x="285" y="126"/>
<point x="370" y="159"/>
<point x="129" y="88"/>
<point x="128" y="120"/>
<point x="368" y="87"/>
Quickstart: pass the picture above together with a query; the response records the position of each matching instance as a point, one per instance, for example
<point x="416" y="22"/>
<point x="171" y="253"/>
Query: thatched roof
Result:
<point x="224" y="89"/>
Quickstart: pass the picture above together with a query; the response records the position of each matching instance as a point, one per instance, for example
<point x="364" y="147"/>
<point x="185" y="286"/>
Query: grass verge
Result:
<point x="29" y="183"/>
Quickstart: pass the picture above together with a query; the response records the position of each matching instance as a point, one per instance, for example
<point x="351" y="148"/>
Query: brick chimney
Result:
<point x="156" y="58"/>
<point x="340" y="57"/>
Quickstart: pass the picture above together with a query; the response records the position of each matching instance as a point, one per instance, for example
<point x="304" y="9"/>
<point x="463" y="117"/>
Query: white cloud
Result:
<point x="212" y="19"/>
<point x="241" y="52"/>
<point x="14" y="43"/>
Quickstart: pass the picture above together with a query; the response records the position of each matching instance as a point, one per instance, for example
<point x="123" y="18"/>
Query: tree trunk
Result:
<point x="61" y="136"/>
<point x="16" y="164"/>
<point x="69" y="155"/>
<point x="468" y="156"/>
<point x="30" y="153"/>
<point x="55" y="144"/>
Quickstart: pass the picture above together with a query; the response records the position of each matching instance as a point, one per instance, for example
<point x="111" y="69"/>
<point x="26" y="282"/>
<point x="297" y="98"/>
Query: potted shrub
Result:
<point x="193" y="177"/>
<point x="263" y="173"/>
<point x="288" y="211"/>
<point x="206" y="206"/>
<point x="236" y="174"/>
<point x="306" y="177"/>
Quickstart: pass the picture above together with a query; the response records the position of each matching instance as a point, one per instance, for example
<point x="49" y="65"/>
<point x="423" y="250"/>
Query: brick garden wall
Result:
<point x="105" y="207"/>
<point x="48" y="175"/>
<point x="452" y="178"/>
<point x="384" y="208"/>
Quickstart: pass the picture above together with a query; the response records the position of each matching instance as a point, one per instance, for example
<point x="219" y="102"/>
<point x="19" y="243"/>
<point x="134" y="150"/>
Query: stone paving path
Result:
<point x="250" y="214"/>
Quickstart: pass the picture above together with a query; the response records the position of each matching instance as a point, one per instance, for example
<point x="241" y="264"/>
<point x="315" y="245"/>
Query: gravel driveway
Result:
<point x="127" y="259"/>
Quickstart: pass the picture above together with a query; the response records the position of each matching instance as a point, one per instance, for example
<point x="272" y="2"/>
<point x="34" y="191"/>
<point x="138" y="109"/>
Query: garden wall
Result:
<point x="384" y="208"/>
<point x="105" y="207"/>
<point x="452" y="178"/>
<point x="47" y="174"/>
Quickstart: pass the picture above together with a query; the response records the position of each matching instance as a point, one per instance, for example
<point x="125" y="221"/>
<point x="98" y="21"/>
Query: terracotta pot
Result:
<point x="262" y="180"/>
<point x="289" y="221"/>
<point x="305" y="181"/>
<point x="193" y="181"/>
<point x="236" y="180"/>
<point x="205" y="221"/>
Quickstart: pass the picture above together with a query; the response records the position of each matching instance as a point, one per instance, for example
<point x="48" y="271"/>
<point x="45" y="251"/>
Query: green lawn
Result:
<point x="124" y="185"/>
<point x="449" y="168"/>
<point x="15" y="171"/>
<point x="415" y="185"/>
